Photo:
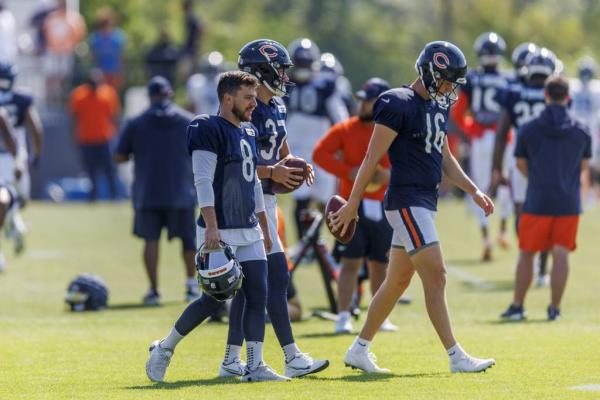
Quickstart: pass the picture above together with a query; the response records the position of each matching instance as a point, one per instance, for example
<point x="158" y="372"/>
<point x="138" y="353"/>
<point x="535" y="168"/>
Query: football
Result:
<point x="333" y="204"/>
<point x="292" y="162"/>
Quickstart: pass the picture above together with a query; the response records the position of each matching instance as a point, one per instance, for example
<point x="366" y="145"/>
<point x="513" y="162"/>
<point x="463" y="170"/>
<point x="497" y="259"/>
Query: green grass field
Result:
<point x="48" y="353"/>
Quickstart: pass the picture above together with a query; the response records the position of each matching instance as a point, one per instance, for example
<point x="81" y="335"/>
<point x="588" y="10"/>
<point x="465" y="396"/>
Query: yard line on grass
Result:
<point x="587" y="388"/>
<point x="469" y="277"/>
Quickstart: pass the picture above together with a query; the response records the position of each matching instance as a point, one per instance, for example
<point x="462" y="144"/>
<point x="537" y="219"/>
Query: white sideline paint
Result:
<point x="469" y="277"/>
<point x="587" y="388"/>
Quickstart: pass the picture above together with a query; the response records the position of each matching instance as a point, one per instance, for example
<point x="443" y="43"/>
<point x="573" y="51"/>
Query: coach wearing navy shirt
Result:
<point x="163" y="191"/>
<point x="551" y="151"/>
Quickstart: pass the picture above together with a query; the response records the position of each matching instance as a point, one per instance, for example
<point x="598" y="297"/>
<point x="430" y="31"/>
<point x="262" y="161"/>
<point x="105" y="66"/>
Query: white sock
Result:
<point x="290" y="350"/>
<point x="343" y="315"/>
<point x="360" y="345"/>
<point x="232" y="352"/>
<point x="191" y="283"/>
<point x="171" y="340"/>
<point x="456" y="352"/>
<point x="254" y="352"/>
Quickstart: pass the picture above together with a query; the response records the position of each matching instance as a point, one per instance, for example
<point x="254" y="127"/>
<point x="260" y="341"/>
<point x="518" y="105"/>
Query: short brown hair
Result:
<point x="230" y="82"/>
<point x="557" y="88"/>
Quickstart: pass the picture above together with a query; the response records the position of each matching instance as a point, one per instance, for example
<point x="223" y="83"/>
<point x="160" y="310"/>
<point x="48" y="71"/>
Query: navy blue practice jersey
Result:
<point x="16" y="105"/>
<point x="416" y="152"/>
<point x="311" y="98"/>
<point x="523" y="103"/>
<point x="269" y="119"/>
<point x="482" y="90"/>
<point x="235" y="172"/>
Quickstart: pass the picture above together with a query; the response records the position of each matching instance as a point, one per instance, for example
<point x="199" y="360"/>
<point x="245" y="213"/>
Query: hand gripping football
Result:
<point x="333" y="204"/>
<point x="292" y="162"/>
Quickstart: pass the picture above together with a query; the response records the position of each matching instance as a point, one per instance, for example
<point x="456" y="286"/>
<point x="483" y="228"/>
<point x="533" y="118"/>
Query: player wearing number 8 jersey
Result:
<point x="410" y="124"/>
<point x="268" y="60"/>
<point x="231" y="205"/>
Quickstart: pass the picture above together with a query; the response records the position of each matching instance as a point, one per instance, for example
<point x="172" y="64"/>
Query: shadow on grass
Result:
<point x="137" y="306"/>
<point x="366" y="377"/>
<point x="186" y="383"/>
<point x="317" y="335"/>
<point x="511" y="322"/>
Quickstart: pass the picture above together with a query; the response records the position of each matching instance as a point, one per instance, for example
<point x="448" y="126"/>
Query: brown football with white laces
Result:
<point x="333" y="205"/>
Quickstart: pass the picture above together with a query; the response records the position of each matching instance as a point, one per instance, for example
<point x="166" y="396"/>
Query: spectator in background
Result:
<point x="63" y="32"/>
<point x="194" y="30"/>
<point x="95" y="107"/>
<point x="8" y="34"/>
<point x="107" y="45"/>
<point x="42" y="9"/>
<point x="163" y="191"/>
<point x="162" y="58"/>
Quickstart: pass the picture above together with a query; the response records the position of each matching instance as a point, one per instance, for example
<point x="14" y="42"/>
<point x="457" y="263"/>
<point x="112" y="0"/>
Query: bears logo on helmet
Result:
<point x="443" y="64"/>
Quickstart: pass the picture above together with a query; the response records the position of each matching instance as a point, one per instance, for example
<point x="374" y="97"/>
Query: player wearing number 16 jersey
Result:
<point x="410" y="124"/>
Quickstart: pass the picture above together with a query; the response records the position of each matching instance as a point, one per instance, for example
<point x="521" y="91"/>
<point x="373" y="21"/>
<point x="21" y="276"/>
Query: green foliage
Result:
<point x="370" y="37"/>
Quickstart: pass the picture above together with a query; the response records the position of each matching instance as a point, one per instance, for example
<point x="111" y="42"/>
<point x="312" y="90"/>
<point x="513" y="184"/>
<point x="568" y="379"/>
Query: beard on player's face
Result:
<point x="243" y="114"/>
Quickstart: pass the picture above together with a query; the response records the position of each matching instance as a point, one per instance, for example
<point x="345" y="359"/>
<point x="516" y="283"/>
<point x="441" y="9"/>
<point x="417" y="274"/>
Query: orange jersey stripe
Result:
<point x="412" y="230"/>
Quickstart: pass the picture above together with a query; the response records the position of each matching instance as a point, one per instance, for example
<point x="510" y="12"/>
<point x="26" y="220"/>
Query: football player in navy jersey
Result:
<point x="477" y="112"/>
<point x="268" y="61"/>
<point x="520" y="104"/>
<point x="410" y="124"/>
<point x="313" y="106"/>
<point x="15" y="170"/>
<point x="223" y="151"/>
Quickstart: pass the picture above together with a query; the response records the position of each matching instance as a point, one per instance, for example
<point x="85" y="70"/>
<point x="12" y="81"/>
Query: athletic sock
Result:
<point x="456" y="352"/>
<point x="290" y="350"/>
<point x="232" y="352"/>
<point x="254" y="352"/>
<point x="360" y="345"/>
<point x="171" y="340"/>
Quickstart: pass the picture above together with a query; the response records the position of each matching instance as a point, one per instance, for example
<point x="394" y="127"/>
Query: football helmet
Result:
<point x="539" y="66"/>
<point x="586" y="68"/>
<point x="330" y="64"/>
<point x="306" y="58"/>
<point x="490" y="48"/>
<point x="223" y="282"/>
<point x="8" y="72"/>
<point x="441" y="61"/>
<point x="87" y="293"/>
<point x="268" y="60"/>
<point x="519" y="55"/>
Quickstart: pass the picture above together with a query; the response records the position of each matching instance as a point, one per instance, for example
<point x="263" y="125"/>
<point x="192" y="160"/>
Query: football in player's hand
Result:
<point x="292" y="162"/>
<point x="333" y="204"/>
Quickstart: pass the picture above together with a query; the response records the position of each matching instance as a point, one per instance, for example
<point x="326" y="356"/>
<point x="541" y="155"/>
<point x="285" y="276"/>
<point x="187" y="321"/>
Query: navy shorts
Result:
<point x="372" y="238"/>
<point x="180" y="223"/>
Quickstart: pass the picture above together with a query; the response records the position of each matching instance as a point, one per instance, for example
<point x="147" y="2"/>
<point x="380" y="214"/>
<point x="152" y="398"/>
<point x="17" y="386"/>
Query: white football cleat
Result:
<point x="343" y="325"/>
<point x="471" y="364"/>
<point x="262" y="373"/>
<point x="159" y="360"/>
<point x="365" y="361"/>
<point x="302" y="364"/>
<point x="387" y="326"/>
<point x="234" y="368"/>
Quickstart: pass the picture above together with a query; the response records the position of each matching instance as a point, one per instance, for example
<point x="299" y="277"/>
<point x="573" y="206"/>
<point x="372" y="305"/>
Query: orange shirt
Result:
<point x="94" y="113"/>
<point x="462" y="116"/>
<point x="351" y="139"/>
<point x="64" y="31"/>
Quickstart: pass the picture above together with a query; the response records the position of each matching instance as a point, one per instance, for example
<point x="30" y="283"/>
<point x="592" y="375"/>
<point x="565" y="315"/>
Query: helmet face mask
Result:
<point x="222" y="282"/>
<point x="519" y="56"/>
<point x="268" y="61"/>
<point x="441" y="62"/>
<point x="306" y="57"/>
<point x="539" y="66"/>
<point x="87" y="293"/>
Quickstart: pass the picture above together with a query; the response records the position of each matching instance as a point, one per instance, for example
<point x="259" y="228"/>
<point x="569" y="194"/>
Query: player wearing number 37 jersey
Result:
<point x="410" y="124"/>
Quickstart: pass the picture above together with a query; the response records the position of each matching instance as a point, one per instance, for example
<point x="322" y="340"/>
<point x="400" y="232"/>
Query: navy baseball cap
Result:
<point x="159" y="86"/>
<point x="372" y="88"/>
